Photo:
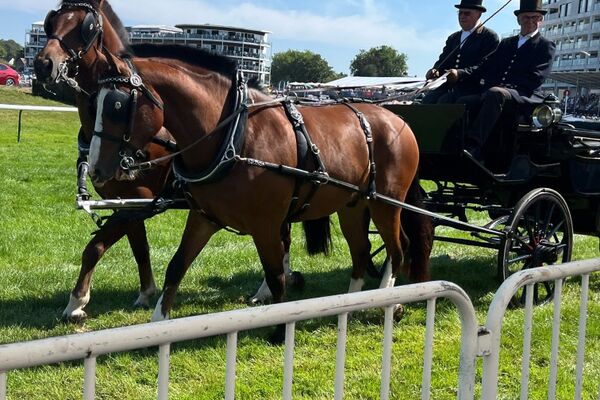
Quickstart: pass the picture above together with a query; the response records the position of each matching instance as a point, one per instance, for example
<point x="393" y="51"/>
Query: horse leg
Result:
<point x="198" y="230"/>
<point x="420" y="232"/>
<point x="354" y="223"/>
<point x="263" y="295"/>
<point x="110" y="233"/>
<point x="138" y="241"/>
<point x="387" y="221"/>
<point x="271" y="251"/>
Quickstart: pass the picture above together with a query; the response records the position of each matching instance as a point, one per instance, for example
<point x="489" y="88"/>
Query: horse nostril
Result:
<point x="43" y="67"/>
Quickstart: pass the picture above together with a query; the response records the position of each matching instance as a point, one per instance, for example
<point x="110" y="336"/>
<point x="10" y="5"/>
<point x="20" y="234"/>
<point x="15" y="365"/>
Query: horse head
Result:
<point x="125" y="106"/>
<point x="77" y="32"/>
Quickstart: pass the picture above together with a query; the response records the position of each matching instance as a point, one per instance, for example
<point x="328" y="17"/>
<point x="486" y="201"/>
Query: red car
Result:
<point x="8" y="76"/>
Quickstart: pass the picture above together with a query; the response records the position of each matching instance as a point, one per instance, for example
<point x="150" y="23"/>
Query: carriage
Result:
<point x="539" y="184"/>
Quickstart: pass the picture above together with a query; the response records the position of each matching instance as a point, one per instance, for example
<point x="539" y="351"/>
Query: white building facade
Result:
<point x="250" y="48"/>
<point x="574" y="26"/>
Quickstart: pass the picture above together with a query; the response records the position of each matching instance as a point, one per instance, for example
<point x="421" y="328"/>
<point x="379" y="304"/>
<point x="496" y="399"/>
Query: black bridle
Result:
<point x="91" y="30"/>
<point x="121" y="107"/>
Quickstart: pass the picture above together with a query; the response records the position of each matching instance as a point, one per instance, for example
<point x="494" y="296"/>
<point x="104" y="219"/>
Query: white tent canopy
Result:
<point x="373" y="81"/>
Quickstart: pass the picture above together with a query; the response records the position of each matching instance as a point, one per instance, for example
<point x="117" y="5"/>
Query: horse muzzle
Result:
<point x="46" y="69"/>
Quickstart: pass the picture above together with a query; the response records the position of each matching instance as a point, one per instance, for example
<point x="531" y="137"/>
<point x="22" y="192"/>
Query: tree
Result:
<point x="10" y="49"/>
<point x="300" y="66"/>
<point x="379" y="61"/>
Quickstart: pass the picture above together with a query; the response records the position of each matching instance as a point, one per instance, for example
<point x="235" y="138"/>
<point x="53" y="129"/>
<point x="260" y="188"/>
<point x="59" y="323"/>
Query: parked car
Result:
<point x="8" y="76"/>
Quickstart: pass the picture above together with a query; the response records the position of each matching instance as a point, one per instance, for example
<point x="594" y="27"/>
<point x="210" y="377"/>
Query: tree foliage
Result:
<point x="10" y="49"/>
<point x="379" y="61"/>
<point x="300" y="66"/>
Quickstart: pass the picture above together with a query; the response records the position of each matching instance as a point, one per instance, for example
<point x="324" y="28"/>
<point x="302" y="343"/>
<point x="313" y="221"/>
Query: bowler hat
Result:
<point x="531" y="6"/>
<point x="472" y="4"/>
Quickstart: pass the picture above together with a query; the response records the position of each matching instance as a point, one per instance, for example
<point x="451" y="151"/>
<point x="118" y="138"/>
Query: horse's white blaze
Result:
<point x="143" y="299"/>
<point x="75" y="307"/>
<point x="388" y="280"/>
<point x="158" y="315"/>
<point x="99" y="127"/>
<point x="356" y="285"/>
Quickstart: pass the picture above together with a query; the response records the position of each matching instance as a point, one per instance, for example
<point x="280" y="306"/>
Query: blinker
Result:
<point x="116" y="106"/>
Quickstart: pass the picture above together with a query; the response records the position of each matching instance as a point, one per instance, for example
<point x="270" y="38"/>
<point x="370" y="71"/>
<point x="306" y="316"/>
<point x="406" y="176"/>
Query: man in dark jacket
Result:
<point x="510" y="76"/>
<point x="463" y="49"/>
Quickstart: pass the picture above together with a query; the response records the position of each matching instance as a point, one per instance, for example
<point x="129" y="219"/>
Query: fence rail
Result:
<point x="475" y="341"/>
<point x="21" y="108"/>
<point x="88" y="346"/>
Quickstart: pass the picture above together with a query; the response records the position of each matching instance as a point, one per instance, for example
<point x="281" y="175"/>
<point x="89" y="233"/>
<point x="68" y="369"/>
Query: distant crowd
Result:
<point x="584" y="106"/>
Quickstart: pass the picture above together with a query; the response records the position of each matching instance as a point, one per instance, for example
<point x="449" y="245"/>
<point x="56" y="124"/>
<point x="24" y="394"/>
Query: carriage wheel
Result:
<point x="540" y="232"/>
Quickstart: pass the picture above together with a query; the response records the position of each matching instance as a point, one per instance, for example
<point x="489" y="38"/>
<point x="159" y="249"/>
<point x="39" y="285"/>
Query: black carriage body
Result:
<point x="519" y="158"/>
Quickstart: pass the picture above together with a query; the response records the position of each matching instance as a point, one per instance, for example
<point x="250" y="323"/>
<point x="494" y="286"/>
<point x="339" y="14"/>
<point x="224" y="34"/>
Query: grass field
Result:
<point x="42" y="236"/>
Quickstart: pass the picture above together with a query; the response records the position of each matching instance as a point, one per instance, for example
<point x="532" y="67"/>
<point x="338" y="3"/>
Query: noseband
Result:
<point x="121" y="107"/>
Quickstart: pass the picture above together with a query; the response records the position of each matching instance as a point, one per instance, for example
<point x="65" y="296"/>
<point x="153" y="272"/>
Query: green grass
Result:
<point x="42" y="236"/>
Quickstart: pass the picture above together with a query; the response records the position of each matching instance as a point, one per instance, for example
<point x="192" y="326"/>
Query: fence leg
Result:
<point x="340" y="357"/>
<point x="19" y="128"/>
<point x="89" y="378"/>
<point x="583" y="310"/>
<point x="388" y="331"/>
<point x="2" y="385"/>
<point x="230" y="365"/>
<point x="164" y="353"/>
<point x="288" y="364"/>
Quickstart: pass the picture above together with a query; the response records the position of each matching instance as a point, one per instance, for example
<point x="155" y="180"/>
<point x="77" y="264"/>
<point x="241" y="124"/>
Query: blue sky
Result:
<point x="336" y="29"/>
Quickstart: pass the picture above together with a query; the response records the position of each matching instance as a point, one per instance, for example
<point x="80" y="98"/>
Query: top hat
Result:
<point x="531" y="6"/>
<point x="472" y="4"/>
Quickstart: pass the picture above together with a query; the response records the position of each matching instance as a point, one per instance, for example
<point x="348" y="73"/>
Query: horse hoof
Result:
<point x="142" y="302"/>
<point x="297" y="280"/>
<point x="398" y="312"/>
<point x="76" y="317"/>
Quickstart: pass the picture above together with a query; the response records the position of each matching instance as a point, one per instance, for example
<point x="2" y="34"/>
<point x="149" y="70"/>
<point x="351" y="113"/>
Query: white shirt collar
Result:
<point x="523" y="39"/>
<point x="465" y="34"/>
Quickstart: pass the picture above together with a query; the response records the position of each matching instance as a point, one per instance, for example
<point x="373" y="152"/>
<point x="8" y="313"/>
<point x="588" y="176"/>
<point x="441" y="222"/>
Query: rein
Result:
<point x="242" y="108"/>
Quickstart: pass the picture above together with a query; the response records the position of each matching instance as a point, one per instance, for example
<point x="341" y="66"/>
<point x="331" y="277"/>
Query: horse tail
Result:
<point x="318" y="236"/>
<point x="419" y="231"/>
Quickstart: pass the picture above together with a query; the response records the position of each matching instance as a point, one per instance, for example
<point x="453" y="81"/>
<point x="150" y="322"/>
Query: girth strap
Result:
<point x="304" y="144"/>
<point x="366" y="126"/>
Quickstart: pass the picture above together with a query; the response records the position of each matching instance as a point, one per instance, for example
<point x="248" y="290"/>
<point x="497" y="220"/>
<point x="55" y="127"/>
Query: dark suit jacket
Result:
<point x="521" y="70"/>
<point x="481" y="43"/>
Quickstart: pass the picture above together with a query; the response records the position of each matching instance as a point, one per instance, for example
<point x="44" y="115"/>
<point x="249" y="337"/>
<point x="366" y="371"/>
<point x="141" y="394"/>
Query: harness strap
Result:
<point x="303" y="144"/>
<point x="366" y="126"/>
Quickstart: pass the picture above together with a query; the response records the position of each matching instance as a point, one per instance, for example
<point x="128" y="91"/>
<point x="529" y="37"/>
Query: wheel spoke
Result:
<point x="521" y="258"/>
<point x="547" y="221"/>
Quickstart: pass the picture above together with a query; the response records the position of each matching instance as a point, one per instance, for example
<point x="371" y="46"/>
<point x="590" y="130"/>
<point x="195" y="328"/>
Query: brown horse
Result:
<point x="77" y="31"/>
<point x="72" y="50"/>
<point x="239" y="173"/>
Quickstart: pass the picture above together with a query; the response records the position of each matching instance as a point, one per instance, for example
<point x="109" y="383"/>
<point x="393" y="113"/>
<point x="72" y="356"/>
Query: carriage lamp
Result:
<point x="545" y="115"/>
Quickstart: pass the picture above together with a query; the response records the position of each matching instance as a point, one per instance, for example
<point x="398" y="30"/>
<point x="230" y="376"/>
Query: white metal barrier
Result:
<point x="527" y="279"/>
<point x="22" y="108"/>
<point x="88" y="346"/>
<point x="475" y="341"/>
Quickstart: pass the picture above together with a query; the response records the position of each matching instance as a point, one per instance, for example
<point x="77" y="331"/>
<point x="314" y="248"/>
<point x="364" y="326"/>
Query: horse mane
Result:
<point x="108" y="12"/>
<point x="189" y="55"/>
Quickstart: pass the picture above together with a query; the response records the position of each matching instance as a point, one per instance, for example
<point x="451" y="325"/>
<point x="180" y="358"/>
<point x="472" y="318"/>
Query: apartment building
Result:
<point x="249" y="47"/>
<point x="35" y="40"/>
<point x="574" y="26"/>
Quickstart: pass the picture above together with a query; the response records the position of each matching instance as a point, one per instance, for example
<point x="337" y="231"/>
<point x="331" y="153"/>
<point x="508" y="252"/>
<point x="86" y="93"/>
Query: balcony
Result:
<point x="583" y="28"/>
